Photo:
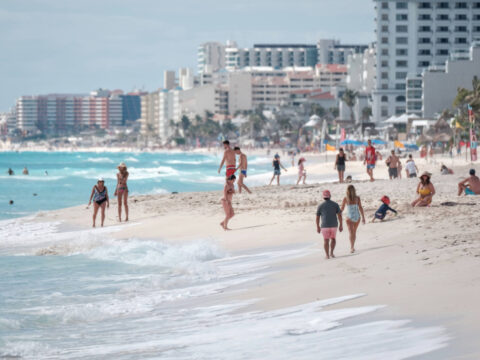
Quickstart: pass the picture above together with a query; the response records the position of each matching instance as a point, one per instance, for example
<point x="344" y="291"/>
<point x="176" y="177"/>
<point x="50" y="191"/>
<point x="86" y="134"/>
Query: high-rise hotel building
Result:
<point x="412" y="36"/>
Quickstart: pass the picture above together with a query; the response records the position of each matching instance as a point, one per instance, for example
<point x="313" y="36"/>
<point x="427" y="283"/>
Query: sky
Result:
<point x="75" y="46"/>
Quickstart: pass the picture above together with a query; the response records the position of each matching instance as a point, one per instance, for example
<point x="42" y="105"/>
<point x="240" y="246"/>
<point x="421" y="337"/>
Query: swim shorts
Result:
<point x="370" y="166"/>
<point x="276" y="172"/>
<point x="329" y="233"/>
<point x="244" y="172"/>
<point x="340" y="167"/>
<point x="230" y="170"/>
<point x="393" y="172"/>
<point x="469" y="192"/>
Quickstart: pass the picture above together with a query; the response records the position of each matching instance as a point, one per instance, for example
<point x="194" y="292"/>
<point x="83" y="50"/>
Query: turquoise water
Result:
<point x="71" y="176"/>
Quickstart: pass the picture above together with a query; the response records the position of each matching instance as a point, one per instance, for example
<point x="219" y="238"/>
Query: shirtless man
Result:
<point x="228" y="159"/>
<point x="243" y="164"/>
<point x="470" y="186"/>
<point x="393" y="162"/>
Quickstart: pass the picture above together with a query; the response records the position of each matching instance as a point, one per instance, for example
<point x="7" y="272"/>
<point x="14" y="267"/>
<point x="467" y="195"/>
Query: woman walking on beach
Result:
<point x="228" y="192"/>
<point x="354" y="210"/>
<point x="121" y="192"/>
<point x="340" y="164"/>
<point x="276" y="169"/>
<point x="302" y="173"/>
<point x="100" y="199"/>
<point x="425" y="189"/>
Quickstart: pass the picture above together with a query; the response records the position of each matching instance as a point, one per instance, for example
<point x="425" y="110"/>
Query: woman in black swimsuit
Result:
<point x="100" y="199"/>
<point x="340" y="164"/>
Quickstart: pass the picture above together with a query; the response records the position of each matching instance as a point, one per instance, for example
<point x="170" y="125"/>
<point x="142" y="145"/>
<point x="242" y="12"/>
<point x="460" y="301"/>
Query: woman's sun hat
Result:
<point x="385" y="199"/>
<point x="426" y="173"/>
<point x="122" y="165"/>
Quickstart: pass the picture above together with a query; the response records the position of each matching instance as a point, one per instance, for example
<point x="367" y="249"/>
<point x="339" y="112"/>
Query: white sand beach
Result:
<point x="422" y="264"/>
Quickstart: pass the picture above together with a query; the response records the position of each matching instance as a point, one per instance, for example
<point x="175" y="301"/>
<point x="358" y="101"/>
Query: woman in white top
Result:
<point x="410" y="167"/>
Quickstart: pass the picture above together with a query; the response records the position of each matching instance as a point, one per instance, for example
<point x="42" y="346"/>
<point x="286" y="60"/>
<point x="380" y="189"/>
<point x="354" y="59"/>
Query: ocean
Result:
<point x="81" y="294"/>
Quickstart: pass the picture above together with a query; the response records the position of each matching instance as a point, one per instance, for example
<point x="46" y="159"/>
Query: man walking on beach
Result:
<point x="470" y="186"/>
<point x="329" y="211"/>
<point x="392" y="163"/>
<point x="243" y="164"/>
<point x="370" y="159"/>
<point x="228" y="159"/>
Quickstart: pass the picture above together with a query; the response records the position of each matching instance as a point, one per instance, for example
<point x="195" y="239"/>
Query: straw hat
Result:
<point x="426" y="173"/>
<point x="122" y="165"/>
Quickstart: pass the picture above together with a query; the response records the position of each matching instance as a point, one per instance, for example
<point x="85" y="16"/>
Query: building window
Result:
<point x="384" y="5"/>
<point x="443" y="5"/>
<point x="401" y="63"/>
<point x="402" y="5"/>
<point x="384" y="40"/>
<point x="424" y="5"/>
<point x="399" y="110"/>
<point x="442" y="29"/>
<point x="442" y="41"/>
<point x="384" y="28"/>
<point x="384" y="51"/>
<point x="424" y="29"/>
<point x="400" y="75"/>
<point x="384" y="111"/>
<point x="476" y="5"/>
<point x="400" y="98"/>
<point x="384" y="64"/>
<point x="424" y="52"/>
<point x="402" y="52"/>
<point x="384" y="99"/>
<point x="384" y="86"/>
<point x="476" y="29"/>
<point x="461" y="29"/>
<point x="424" y="17"/>
<point x="443" y="17"/>
<point x="461" y="17"/>
<point x="423" y="64"/>
<point x="384" y="75"/>
<point x="385" y="17"/>
<point x="402" y="40"/>
<point x="443" y="52"/>
<point x="460" y="5"/>
<point x="424" y="40"/>
<point x="402" y="28"/>
<point x="460" y="40"/>
<point x="476" y="17"/>
<point x="402" y="17"/>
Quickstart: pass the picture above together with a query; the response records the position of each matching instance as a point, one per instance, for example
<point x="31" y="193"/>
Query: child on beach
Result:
<point x="382" y="210"/>
<point x="302" y="173"/>
<point x="228" y="192"/>
<point x="329" y="211"/>
<point x="100" y="199"/>
<point x="276" y="169"/>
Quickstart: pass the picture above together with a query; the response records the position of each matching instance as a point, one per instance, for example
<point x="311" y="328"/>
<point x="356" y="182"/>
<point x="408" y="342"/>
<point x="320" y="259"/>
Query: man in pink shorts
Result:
<point x="329" y="211"/>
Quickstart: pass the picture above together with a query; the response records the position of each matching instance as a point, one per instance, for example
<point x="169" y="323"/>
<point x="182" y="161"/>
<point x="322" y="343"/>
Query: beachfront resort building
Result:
<point x="59" y="113"/>
<point x="361" y="71"/>
<point x="211" y="57"/>
<point x="333" y="52"/>
<point x="415" y="35"/>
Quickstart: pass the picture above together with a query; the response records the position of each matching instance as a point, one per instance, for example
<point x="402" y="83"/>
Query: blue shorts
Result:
<point x="244" y="172"/>
<point x="370" y="166"/>
<point x="276" y="172"/>
<point x="469" y="192"/>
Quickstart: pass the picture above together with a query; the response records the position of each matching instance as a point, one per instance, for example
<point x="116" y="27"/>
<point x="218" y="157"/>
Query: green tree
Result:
<point x="349" y="98"/>
<point x="366" y="113"/>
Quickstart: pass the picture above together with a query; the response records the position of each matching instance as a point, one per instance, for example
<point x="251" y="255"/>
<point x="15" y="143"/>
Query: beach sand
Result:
<point x="422" y="264"/>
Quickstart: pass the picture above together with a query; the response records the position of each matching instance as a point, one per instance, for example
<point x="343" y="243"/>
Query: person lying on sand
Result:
<point x="381" y="213"/>
<point x="425" y="189"/>
<point x="228" y="192"/>
<point x="469" y="186"/>
<point x="329" y="211"/>
<point x="445" y="170"/>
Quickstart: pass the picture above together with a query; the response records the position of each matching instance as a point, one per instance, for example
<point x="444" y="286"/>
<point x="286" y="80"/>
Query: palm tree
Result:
<point x="366" y="113"/>
<point x="349" y="98"/>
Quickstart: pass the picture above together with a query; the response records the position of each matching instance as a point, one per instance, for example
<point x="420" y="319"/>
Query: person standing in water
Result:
<point x="370" y="159"/>
<point x="243" y="165"/>
<point x="276" y="169"/>
<point x="354" y="210"/>
<point x="25" y="171"/>
<point x="228" y="192"/>
<point x="121" y="192"/>
<point x="228" y="159"/>
<point x="10" y="172"/>
<point x="329" y="211"/>
<point x="340" y="164"/>
<point x="302" y="173"/>
<point x="100" y="199"/>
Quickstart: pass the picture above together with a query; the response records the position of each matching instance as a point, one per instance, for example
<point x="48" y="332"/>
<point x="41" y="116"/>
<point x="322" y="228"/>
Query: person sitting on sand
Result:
<point x="302" y="173"/>
<point x="329" y="211"/>
<point x="228" y="159"/>
<point x="425" y="189"/>
<point x="410" y="167"/>
<point x="445" y="170"/>
<point x="340" y="164"/>
<point x="25" y="171"/>
<point x="121" y="191"/>
<point x="228" y="192"/>
<point x="470" y="186"/>
<point x="100" y="198"/>
<point x="382" y="210"/>
<point x="354" y="210"/>
<point x="243" y="164"/>
<point x="348" y="179"/>
<point x="276" y="169"/>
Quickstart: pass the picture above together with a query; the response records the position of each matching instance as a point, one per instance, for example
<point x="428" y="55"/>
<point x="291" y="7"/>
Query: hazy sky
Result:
<point x="76" y="46"/>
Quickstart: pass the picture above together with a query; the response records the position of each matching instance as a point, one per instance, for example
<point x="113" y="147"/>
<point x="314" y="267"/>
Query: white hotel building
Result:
<point x="412" y="36"/>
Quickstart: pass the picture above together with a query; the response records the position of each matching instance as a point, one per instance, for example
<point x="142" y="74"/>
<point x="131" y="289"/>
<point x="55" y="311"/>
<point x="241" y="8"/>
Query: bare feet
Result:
<point x="331" y="255"/>
<point x="222" y="225"/>
<point x="327" y="257"/>
<point x="352" y="250"/>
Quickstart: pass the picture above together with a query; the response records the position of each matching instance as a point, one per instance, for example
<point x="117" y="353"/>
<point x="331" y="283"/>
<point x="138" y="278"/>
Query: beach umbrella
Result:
<point x="411" y="146"/>
<point x="351" y="142"/>
<point x="378" y="142"/>
<point x="398" y="144"/>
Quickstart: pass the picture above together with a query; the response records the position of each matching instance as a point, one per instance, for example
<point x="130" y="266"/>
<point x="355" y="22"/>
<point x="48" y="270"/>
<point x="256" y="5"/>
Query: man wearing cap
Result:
<point x="329" y="211"/>
<point x="470" y="186"/>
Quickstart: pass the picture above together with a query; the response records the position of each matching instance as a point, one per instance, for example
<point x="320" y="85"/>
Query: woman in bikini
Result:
<point x="228" y="192"/>
<point x="302" y="173"/>
<point x="100" y="199"/>
<point x="354" y="210"/>
<point x="425" y="189"/>
<point x="121" y="192"/>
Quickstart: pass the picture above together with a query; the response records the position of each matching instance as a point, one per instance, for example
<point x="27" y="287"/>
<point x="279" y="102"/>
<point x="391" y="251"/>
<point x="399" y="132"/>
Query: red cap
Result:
<point x="385" y="199"/>
<point x="326" y="194"/>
